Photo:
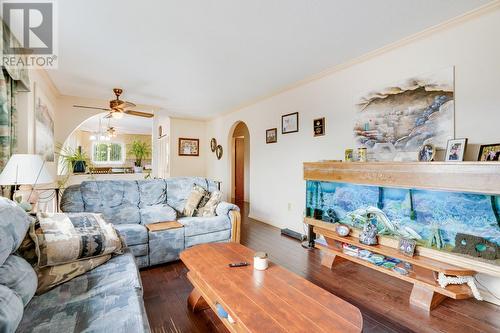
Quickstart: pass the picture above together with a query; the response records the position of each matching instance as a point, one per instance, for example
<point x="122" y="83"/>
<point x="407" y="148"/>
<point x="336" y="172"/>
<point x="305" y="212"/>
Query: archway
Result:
<point x="106" y="141"/>
<point x="240" y="163"/>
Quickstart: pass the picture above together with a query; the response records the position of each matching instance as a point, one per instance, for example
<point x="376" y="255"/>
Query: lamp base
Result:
<point x="27" y="194"/>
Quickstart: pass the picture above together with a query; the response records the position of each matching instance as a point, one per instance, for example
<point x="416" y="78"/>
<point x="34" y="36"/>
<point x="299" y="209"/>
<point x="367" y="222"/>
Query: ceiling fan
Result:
<point x="117" y="107"/>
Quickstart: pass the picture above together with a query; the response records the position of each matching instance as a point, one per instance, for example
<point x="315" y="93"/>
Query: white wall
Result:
<point x="277" y="189"/>
<point x="188" y="165"/>
<point x="40" y="85"/>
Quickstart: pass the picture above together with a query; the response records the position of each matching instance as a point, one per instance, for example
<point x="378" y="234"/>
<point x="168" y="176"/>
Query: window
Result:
<point x="108" y="153"/>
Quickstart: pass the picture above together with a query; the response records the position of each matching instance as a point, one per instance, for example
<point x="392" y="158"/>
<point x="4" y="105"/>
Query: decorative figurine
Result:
<point x="342" y="230"/>
<point x="369" y="234"/>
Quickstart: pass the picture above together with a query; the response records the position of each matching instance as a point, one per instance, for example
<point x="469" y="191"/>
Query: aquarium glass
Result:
<point x="425" y="212"/>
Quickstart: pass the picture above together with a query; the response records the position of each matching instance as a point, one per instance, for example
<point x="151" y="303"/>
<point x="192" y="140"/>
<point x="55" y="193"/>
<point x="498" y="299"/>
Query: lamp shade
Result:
<point x="25" y="169"/>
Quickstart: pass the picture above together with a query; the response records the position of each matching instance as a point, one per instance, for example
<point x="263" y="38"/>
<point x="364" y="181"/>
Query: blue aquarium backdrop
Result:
<point x="428" y="213"/>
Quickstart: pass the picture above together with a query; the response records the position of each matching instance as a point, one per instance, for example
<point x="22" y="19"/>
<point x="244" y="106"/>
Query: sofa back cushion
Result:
<point x="71" y="199"/>
<point x="117" y="200"/>
<point x="14" y="222"/>
<point x="11" y="310"/>
<point x="152" y="192"/>
<point x="179" y="188"/>
<point x="16" y="275"/>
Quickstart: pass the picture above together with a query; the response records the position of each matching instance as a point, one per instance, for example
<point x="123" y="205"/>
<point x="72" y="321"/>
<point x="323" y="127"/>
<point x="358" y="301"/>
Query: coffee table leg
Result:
<point x="196" y="301"/>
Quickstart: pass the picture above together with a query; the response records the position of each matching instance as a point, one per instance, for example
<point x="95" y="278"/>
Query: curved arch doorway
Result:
<point x="240" y="163"/>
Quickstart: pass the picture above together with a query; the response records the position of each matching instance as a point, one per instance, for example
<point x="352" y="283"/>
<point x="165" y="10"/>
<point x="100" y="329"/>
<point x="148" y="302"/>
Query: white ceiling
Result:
<point x="126" y="125"/>
<point x="199" y="58"/>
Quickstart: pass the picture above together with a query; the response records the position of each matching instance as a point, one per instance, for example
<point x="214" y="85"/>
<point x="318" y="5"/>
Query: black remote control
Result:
<point x="239" y="264"/>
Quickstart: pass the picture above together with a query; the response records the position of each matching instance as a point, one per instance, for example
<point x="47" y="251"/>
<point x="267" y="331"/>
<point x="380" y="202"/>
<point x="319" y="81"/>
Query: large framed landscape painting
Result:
<point x="44" y="127"/>
<point x="408" y="114"/>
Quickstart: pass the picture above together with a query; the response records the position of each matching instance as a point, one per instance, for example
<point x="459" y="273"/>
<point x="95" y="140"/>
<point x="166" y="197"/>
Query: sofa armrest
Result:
<point x="233" y="212"/>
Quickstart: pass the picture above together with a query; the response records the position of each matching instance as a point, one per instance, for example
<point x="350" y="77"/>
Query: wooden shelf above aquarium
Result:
<point x="471" y="177"/>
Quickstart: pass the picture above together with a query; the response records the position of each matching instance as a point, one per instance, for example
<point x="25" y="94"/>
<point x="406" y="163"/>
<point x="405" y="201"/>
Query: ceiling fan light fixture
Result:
<point x="116" y="115"/>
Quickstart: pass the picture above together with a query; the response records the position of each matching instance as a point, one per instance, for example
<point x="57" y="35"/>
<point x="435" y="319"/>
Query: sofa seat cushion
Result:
<point x="133" y="234"/>
<point x="108" y="298"/>
<point x="204" y="225"/>
<point x="118" y="201"/>
<point x="157" y="213"/>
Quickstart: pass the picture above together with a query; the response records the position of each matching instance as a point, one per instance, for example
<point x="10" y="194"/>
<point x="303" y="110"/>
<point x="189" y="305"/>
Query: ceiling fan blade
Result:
<point x="109" y="115"/>
<point x="91" y="107"/>
<point x="139" y="114"/>
<point x="127" y="104"/>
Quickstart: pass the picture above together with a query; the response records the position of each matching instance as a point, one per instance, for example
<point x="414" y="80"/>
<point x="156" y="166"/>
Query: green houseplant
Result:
<point x="74" y="160"/>
<point x="140" y="150"/>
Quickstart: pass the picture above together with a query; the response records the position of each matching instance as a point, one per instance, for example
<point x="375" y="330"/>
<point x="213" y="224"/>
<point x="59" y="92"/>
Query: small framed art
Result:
<point x="272" y="135"/>
<point x="319" y="126"/>
<point x="189" y="147"/>
<point x="290" y="123"/>
<point x="426" y="153"/>
<point x="407" y="246"/>
<point x="455" y="150"/>
<point x="489" y="152"/>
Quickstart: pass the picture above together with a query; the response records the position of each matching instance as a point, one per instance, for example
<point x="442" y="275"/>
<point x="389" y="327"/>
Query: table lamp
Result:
<point x="27" y="171"/>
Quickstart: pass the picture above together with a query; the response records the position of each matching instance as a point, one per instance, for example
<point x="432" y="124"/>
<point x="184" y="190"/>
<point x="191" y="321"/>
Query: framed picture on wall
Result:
<point x="189" y="147"/>
<point x="489" y="152"/>
<point x="290" y="123"/>
<point x="44" y="126"/>
<point x="455" y="150"/>
<point x="319" y="126"/>
<point x="272" y="135"/>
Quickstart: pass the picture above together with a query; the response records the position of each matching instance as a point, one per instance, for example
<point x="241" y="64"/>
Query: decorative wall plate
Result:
<point x="218" y="152"/>
<point x="213" y="145"/>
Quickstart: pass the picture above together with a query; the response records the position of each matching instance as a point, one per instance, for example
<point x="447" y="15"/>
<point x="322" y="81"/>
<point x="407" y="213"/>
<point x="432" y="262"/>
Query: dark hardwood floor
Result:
<point x="382" y="300"/>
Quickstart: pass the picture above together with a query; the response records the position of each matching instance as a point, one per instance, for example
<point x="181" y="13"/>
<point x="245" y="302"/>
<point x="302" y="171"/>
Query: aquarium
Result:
<point x="436" y="219"/>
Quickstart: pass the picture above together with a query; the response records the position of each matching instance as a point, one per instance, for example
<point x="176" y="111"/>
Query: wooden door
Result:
<point x="239" y="169"/>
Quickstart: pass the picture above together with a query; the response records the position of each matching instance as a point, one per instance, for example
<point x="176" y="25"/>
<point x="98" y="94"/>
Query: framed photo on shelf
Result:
<point x="290" y="123"/>
<point x="455" y="150"/>
<point x="407" y="246"/>
<point x="426" y="153"/>
<point x="489" y="152"/>
<point x="189" y="147"/>
<point x="272" y="135"/>
<point x="319" y="126"/>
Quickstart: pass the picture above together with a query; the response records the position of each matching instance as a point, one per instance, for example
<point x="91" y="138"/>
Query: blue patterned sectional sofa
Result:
<point x="131" y="205"/>
<point x="106" y="299"/>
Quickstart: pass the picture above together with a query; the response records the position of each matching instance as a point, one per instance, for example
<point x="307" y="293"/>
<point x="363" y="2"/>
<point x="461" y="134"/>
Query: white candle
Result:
<point x="260" y="261"/>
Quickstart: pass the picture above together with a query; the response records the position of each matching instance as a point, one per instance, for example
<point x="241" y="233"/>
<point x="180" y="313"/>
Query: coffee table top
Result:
<point x="274" y="300"/>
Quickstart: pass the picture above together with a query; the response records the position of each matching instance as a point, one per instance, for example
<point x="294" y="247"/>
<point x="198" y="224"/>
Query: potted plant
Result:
<point x="140" y="150"/>
<point x="75" y="160"/>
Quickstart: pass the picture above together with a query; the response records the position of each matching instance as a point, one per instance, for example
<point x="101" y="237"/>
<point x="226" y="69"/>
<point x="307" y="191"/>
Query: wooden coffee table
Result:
<point x="275" y="300"/>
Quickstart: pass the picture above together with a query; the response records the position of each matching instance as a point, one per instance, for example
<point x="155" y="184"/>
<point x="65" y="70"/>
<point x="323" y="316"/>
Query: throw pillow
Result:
<point x="49" y="277"/>
<point x="64" y="238"/>
<point x="209" y="208"/>
<point x="193" y="200"/>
